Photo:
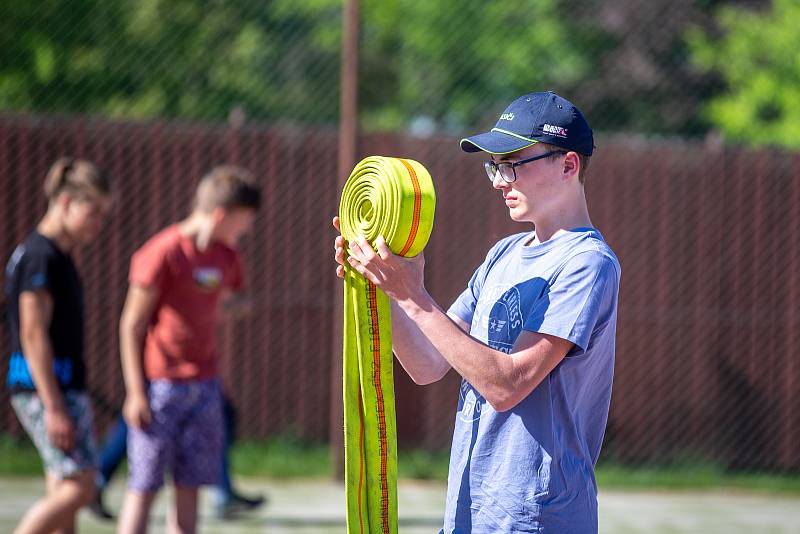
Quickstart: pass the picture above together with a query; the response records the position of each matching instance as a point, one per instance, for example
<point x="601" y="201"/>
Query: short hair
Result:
<point x="227" y="186"/>
<point x="583" y="158"/>
<point x="78" y="177"/>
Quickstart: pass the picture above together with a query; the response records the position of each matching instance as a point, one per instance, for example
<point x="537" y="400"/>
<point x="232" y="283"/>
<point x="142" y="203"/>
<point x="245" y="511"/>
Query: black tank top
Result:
<point x="36" y="264"/>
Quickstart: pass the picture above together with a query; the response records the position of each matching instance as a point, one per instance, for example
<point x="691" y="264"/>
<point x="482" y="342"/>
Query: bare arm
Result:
<point x="139" y="307"/>
<point x="503" y="379"/>
<point x="35" y="315"/>
<point x="421" y="360"/>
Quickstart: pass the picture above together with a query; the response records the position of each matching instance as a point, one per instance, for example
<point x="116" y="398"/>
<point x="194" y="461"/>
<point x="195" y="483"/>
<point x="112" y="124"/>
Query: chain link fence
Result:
<point x="157" y="92"/>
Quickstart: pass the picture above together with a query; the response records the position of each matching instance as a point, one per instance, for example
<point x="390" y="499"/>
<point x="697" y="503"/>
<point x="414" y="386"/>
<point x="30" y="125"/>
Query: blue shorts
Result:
<point x="184" y="437"/>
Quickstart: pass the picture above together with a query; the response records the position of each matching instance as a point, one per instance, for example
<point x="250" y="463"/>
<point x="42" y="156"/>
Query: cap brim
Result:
<point x="495" y="143"/>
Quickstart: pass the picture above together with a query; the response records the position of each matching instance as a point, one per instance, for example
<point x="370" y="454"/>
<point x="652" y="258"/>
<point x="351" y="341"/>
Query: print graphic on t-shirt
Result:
<point x="480" y="319"/>
<point x="505" y="321"/>
<point x="208" y="278"/>
<point x="470" y="403"/>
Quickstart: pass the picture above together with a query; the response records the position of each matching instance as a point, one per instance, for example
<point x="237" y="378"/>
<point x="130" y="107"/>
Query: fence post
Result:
<point x="348" y="139"/>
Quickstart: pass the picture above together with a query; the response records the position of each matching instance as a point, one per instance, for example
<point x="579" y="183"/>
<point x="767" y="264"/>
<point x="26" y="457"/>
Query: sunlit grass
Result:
<point x="290" y="457"/>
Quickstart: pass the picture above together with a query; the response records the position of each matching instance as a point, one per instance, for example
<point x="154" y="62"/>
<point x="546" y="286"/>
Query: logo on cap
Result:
<point x="554" y="130"/>
<point x="507" y="117"/>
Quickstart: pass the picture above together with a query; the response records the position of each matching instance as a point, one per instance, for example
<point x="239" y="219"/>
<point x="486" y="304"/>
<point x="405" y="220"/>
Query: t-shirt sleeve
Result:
<point x="464" y="305"/>
<point x="35" y="271"/>
<point x="150" y="266"/>
<point x="580" y="298"/>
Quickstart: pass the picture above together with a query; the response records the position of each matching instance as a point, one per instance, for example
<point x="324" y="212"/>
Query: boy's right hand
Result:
<point x="60" y="429"/>
<point x="136" y="411"/>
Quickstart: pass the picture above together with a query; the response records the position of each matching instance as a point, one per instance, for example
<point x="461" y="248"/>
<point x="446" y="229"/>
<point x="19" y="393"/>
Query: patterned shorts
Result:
<point x="30" y="411"/>
<point x="185" y="436"/>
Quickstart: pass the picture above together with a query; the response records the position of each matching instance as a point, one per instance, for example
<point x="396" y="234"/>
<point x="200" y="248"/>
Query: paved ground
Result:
<point x="316" y="507"/>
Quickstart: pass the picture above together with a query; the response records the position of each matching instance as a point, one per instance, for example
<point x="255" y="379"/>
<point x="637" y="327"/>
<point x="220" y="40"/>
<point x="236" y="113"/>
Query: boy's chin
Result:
<point x="517" y="215"/>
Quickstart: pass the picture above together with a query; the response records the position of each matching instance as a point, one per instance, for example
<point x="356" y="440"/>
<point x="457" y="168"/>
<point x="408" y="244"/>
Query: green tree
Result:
<point x="457" y="64"/>
<point x="758" y="56"/>
<point x="425" y="65"/>
<point x="171" y="58"/>
<point x="641" y="79"/>
<point x="625" y="63"/>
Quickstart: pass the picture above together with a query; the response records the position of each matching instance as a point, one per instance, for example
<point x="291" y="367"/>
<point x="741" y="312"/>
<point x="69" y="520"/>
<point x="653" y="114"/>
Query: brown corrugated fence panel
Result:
<point x="708" y="324"/>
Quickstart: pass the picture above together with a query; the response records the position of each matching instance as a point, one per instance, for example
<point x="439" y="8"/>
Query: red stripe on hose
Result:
<point x="417" y="207"/>
<point x="372" y="298"/>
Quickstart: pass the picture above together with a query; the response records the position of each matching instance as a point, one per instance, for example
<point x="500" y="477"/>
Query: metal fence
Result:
<point x="707" y="350"/>
<point x="157" y="91"/>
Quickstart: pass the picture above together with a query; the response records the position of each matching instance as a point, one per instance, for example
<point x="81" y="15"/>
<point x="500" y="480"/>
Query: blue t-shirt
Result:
<point x="531" y="468"/>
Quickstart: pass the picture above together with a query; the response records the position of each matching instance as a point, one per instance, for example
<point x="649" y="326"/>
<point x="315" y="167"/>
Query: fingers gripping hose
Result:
<point x="394" y="198"/>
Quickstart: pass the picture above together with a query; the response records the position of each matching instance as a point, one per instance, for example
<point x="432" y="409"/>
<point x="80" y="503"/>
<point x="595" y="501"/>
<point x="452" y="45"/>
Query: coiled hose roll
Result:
<point x="393" y="198"/>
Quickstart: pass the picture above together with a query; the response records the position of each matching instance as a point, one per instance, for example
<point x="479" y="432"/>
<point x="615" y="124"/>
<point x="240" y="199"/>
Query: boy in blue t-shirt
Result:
<point x="532" y="335"/>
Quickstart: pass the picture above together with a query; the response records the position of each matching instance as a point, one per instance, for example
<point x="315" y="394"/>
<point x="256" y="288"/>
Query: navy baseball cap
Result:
<point x="535" y="118"/>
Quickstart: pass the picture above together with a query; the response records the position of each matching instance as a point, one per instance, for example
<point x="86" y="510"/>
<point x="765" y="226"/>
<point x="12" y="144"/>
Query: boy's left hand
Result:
<point x="399" y="277"/>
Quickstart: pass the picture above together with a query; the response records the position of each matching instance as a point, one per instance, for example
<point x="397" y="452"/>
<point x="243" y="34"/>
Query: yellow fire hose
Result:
<point x="394" y="198"/>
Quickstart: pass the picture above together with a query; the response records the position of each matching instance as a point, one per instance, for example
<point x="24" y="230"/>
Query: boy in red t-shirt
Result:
<point x="168" y="345"/>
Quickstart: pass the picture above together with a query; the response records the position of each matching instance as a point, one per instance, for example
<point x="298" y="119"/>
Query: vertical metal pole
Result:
<point x="348" y="138"/>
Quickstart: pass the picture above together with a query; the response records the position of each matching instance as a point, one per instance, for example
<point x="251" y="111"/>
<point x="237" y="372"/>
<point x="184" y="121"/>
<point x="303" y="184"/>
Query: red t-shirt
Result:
<point x="181" y="338"/>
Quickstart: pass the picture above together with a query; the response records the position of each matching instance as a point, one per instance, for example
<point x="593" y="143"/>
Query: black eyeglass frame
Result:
<point x="492" y="167"/>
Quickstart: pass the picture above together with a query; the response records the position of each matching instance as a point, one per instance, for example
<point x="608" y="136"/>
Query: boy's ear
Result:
<point x="217" y="214"/>
<point x="63" y="200"/>
<point x="571" y="163"/>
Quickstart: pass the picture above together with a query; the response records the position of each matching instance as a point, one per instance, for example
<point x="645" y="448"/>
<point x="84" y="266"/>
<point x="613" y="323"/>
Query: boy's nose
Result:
<point x="498" y="182"/>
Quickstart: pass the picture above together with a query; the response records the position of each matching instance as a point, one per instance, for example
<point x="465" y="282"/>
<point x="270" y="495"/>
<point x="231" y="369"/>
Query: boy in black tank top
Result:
<point x="46" y="368"/>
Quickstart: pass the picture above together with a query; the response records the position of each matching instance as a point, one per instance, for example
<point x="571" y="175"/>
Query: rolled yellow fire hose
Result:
<point x="393" y="198"/>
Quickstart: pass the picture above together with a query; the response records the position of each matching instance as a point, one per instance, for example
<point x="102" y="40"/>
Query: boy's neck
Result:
<point x="199" y="227"/>
<point x="568" y="217"/>
<point x="53" y="229"/>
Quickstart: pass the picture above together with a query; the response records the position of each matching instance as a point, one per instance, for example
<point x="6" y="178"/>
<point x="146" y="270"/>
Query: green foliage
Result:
<point x="290" y="457"/>
<point x="281" y="457"/>
<point x="18" y="457"/>
<point x="455" y="66"/>
<point x="424" y="66"/>
<point x="420" y="464"/>
<point x="693" y="476"/>
<point x="759" y="59"/>
<point x="170" y="58"/>
<point x="280" y="59"/>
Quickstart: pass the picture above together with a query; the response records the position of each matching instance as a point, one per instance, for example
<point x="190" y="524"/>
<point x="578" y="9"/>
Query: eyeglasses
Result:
<point x="508" y="170"/>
